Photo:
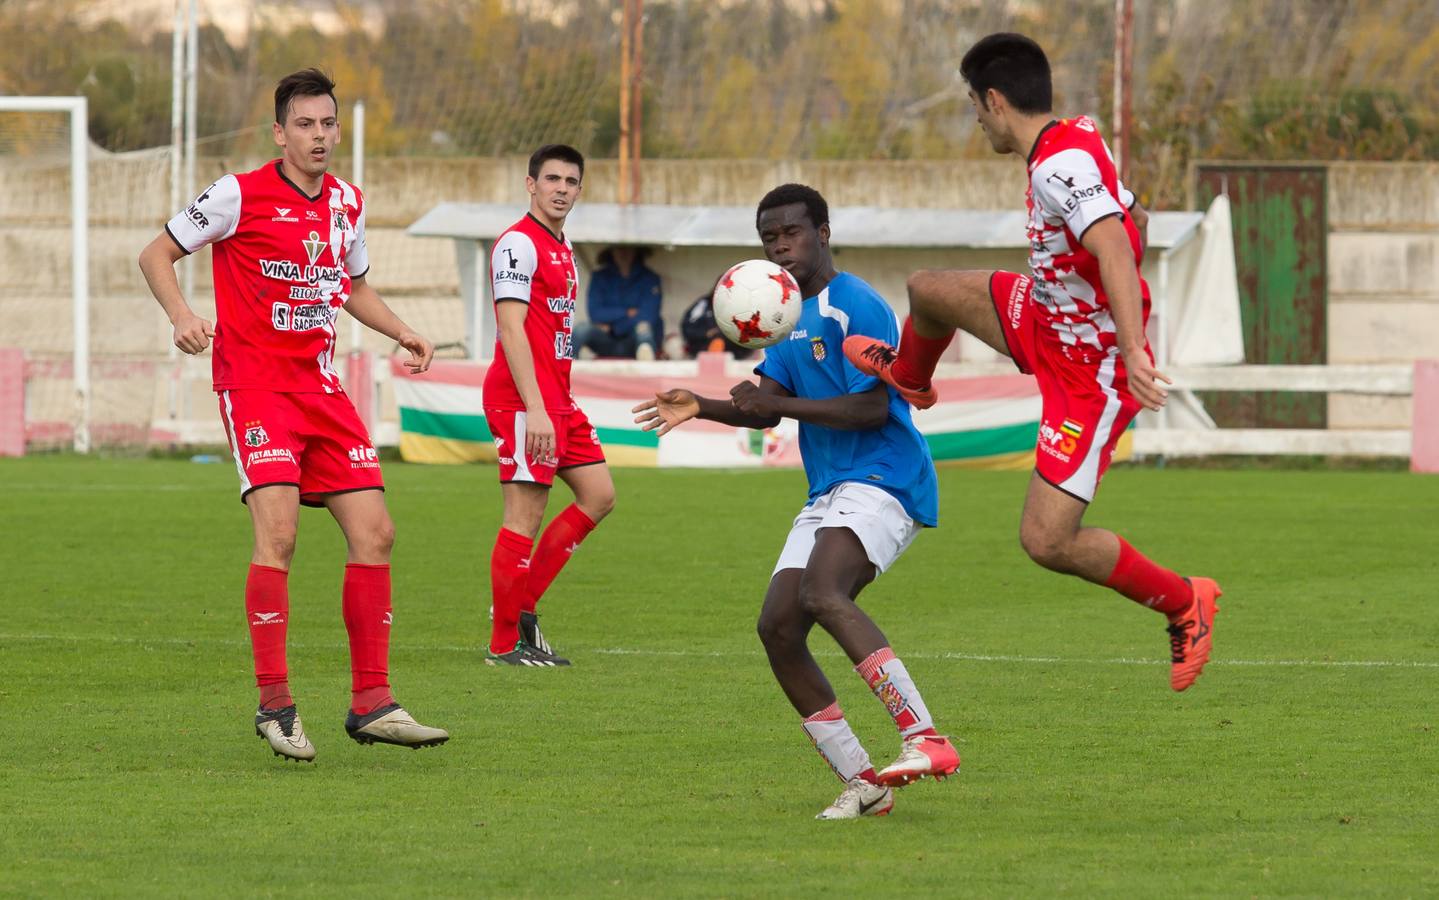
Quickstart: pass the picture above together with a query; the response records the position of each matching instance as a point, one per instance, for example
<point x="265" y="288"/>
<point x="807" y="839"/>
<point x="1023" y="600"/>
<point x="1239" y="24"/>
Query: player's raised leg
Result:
<point x="594" y="492"/>
<point x="940" y="301"/>
<point x="374" y="716"/>
<point x="840" y="566"/>
<point x="1051" y="533"/>
<point x="783" y="629"/>
<point x="274" y="513"/>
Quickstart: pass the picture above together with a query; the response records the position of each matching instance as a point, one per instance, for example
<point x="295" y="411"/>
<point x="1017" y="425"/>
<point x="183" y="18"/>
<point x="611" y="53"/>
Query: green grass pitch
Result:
<point x="667" y="762"/>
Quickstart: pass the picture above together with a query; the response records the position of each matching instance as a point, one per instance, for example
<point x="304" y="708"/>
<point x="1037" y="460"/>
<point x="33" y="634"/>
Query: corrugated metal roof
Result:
<point x="733" y="226"/>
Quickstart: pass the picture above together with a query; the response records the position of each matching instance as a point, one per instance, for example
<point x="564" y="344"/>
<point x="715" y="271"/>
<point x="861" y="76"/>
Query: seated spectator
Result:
<point x="701" y="334"/>
<point x="624" y="306"/>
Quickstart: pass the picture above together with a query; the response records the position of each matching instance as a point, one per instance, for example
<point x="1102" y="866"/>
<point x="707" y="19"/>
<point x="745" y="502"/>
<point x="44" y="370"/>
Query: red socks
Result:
<point x="509" y="585"/>
<point x="1148" y="584"/>
<point x="914" y="368"/>
<point x="267" y="607"/>
<point x="366" y="603"/>
<point x="560" y="540"/>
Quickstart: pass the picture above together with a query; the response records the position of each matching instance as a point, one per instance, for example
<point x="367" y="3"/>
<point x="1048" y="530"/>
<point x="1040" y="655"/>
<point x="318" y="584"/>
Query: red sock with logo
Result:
<point x="267" y="608"/>
<point x="559" y="542"/>
<point x="509" y="584"/>
<point x="918" y="355"/>
<point x="365" y="597"/>
<point x="1148" y="584"/>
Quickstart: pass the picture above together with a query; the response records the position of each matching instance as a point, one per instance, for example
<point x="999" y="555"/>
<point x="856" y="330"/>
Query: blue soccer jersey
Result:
<point x="811" y="364"/>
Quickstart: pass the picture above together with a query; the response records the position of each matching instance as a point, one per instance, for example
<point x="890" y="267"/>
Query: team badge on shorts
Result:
<point x="255" y="435"/>
<point x="816" y="348"/>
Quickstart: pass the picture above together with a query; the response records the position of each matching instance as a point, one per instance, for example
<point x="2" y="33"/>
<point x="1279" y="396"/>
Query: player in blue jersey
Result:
<point x="872" y="487"/>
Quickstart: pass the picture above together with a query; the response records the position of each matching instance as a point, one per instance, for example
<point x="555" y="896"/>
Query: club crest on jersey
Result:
<point x="338" y="220"/>
<point x="255" y="436"/>
<point x="816" y="348"/>
<point x="314" y="246"/>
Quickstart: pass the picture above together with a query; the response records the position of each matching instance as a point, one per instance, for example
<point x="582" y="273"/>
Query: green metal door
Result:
<point x="1281" y="254"/>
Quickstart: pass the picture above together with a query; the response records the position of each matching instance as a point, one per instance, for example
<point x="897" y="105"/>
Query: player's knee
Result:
<point x="375" y="542"/>
<point x="777" y="631"/>
<point x="599" y="505"/>
<point x="920" y="286"/>
<point x="1044" y="548"/>
<point x="819" y="601"/>
<point x="276" y="547"/>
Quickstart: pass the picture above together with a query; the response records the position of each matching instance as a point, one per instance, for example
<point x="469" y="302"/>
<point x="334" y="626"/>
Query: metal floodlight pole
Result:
<point x="625" y="101"/>
<point x="357" y="177"/>
<point x="192" y="90"/>
<point x="177" y="119"/>
<point x="1123" y="69"/>
<point x="637" y="98"/>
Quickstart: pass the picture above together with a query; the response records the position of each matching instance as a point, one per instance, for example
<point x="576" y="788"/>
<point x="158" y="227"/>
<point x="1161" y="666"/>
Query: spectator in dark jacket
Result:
<point x="623" y="305"/>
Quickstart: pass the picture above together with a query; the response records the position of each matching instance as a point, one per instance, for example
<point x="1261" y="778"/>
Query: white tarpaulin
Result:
<point x="1198" y="316"/>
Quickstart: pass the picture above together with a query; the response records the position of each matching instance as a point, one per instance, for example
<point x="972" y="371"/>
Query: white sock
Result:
<point x="890" y="681"/>
<point x="836" y="742"/>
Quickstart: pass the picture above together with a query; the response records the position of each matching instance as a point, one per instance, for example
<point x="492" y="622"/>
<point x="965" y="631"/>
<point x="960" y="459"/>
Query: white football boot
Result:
<point x="392" y="725"/>
<point x="860" y="798"/>
<point x="282" y="728"/>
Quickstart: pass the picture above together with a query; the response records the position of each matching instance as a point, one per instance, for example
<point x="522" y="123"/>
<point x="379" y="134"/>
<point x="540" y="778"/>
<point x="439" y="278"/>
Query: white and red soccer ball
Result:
<point x="757" y="303"/>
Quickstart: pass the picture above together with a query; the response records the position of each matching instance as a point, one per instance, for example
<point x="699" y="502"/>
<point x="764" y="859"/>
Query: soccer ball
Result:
<point x="757" y="303"/>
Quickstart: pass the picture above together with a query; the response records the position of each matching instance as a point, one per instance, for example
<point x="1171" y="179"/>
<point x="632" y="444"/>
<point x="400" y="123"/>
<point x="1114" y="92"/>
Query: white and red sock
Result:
<point x="837" y="744"/>
<point x="509" y="582"/>
<point x="560" y="540"/>
<point x="890" y="682"/>
<point x="365" y="600"/>
<point x="267" y="608"/>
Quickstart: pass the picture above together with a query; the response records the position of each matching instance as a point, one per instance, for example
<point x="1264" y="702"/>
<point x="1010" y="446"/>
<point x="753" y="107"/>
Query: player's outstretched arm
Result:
<point x="862" y="411"/>
<point x="157" y="261"/>
<point x="1109" y="243"/>
<point x="669" y="409"/>
<point x="366" y="305"/>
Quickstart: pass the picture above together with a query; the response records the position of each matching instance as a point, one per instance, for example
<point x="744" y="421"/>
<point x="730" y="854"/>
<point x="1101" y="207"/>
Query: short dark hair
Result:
<point x="1015" y="66"/>
<point x="785" y="194"/>
<point x="562" y="152"/>
<point x="304" y="83"/>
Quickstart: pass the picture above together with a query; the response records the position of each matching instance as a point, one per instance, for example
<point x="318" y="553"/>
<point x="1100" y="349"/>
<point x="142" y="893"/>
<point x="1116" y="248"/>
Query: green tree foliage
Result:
<point x="837" y="79"/>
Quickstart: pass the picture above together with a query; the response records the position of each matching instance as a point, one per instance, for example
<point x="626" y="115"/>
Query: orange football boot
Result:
<point x="874" y="357"/>
<point x="1191" y="632"/>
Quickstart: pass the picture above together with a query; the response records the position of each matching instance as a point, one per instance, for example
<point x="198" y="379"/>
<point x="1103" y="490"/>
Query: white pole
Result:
<point x="80" y="265"/>
<point x="192" y="89"/>
<point x="1161" y="353"/>
<point x="357" y="177"/>
<point x="177" y="77"/>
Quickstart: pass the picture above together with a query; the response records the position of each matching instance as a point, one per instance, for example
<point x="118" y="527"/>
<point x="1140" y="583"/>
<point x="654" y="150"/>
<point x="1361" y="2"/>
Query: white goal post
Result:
<point x="78" y="108"/>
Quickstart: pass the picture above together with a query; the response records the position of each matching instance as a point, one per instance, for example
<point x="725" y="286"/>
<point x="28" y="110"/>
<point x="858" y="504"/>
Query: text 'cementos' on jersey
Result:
<point x="532" y="265"/>
<point x="811" y="364"/>
<point x="283" y="261"/>
<point x="1073" y="184"/>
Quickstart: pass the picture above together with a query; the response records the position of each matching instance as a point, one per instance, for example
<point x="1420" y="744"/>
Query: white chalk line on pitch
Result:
<point x="632" y="651"/>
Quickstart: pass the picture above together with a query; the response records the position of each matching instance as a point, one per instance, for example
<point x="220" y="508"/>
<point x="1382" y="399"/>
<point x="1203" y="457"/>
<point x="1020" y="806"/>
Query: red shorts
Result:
<point x="1085" y="392"/>
<point x="313" y="441"/>
<point x="576" y="444"/>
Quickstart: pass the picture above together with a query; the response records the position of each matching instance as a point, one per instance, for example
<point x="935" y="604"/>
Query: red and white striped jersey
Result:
<point x="283" y="262"/>
<point x="1072" y="185"/>
<point x="533" y="265"/>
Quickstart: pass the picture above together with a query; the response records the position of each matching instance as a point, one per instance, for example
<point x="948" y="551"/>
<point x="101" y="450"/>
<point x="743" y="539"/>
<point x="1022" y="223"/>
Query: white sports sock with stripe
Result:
<point x="836" y="742"/>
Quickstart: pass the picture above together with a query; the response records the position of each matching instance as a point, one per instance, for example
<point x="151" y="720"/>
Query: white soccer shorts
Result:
<point x="874" y="515"/>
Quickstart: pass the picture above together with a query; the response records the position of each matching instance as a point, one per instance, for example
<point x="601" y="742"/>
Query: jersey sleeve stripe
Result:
<point x="176" y="240"/>
<point x="1108" y="215"/>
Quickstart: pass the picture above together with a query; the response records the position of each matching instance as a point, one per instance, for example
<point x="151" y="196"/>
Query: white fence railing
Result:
<point x="1391" y="380"/>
